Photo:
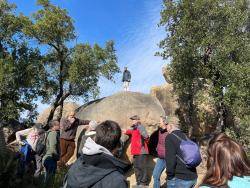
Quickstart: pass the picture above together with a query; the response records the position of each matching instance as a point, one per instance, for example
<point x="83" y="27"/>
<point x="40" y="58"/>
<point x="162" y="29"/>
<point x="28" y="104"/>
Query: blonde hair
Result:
<point x="71" y="113"/>
<point x="173" y="120"/>
<point x="164" y="119"/>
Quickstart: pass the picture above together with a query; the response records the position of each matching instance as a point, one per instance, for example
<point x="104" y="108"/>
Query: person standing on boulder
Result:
<point x="139" y="150"/>
<point x="68" y="128"/>
<point x="126" y="78"/>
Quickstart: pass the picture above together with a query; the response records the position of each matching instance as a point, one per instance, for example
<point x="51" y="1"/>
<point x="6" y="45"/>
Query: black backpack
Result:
<point x="41" y="143"/>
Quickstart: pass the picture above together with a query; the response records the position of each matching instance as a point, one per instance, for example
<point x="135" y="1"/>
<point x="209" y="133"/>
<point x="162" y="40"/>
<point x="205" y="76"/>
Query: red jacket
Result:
<point x="139" y="140"/>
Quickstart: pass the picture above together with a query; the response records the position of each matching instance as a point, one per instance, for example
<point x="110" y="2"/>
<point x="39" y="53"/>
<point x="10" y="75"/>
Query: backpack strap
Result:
<point x="180" y="159"/>
<point x="45" y="142"/>
<point x="179" y="138"/>
<point x="46" y="137"/>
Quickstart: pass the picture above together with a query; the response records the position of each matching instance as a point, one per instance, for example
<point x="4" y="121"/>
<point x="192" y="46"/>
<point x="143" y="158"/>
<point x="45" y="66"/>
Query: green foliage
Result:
<point x="70" y="71"/>
<point x="88" y="63"/>
<point x="241" y="132"/>
<point x="52" y="25"/>
<point x="208" y="43"/>
<point x="62" y="71"/>
<point x="8" y="178"/>
<point x="20" y="67"/>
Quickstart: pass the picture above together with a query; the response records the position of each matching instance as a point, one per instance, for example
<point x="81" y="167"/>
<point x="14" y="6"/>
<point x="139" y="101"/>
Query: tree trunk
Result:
<point x="3" y="149"/>
<point x="60" y="111"/>
<point x="59" y="100"/>
<point x="192" y="119"/>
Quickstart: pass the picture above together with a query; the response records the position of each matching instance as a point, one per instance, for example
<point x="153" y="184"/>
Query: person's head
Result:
<point x="163" y="122"/>
<point x="135" y="119"/>
<point x="172" y="123"/>
<point x="125" y="68"/>
<point x="54" y="125"/>
<point x="92" y="125"/>
<point x="38" y="127"/>
<point x="108" y="135"/>
<point x="226" y="158"/>
<point x="71" y="116"/>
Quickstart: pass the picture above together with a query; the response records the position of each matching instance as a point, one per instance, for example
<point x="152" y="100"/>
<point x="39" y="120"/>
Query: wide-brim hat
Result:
<point x="135" y="117"/>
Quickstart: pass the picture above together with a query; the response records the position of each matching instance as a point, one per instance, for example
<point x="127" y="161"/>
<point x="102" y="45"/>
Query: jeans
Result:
<point x="141" y="169"/>
<point x="179" y="183"/>
<point x="50" y="169"/>
<point x="158" y="169"/>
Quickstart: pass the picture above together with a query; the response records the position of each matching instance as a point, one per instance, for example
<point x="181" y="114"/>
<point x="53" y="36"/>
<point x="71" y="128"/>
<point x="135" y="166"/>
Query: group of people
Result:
<point x="92" y="159"/>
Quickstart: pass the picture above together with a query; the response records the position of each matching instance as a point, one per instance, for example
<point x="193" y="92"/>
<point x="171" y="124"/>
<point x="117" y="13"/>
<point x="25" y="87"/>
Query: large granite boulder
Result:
<point x="121" y="106"/>
<point x="67" y="107"/>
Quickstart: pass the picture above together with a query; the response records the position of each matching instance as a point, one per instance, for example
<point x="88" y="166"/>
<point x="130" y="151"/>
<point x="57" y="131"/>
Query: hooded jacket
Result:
<point x="96" y="168"/>
<point x="126" y="76"/>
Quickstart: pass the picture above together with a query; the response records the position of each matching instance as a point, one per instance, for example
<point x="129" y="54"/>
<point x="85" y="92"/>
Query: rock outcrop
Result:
<point x="165" y="95"/>
<point x="121" y="106"/>
<point x="67" y="107"/>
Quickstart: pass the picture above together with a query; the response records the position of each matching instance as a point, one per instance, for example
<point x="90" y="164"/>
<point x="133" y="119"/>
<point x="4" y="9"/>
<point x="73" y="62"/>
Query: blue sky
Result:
<point x="132" y="24"/>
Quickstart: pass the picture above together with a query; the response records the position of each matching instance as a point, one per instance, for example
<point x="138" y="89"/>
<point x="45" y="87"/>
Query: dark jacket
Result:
<point x="161" y="149"/>
<point x="174" y="166"/>
<point x="68" y="130"/>
<point x="97" y="171"/>
<point x="126" y="76"/>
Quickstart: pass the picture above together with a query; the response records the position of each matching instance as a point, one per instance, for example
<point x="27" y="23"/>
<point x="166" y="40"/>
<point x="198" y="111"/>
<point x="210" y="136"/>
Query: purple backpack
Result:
<point x="190" y="152"/>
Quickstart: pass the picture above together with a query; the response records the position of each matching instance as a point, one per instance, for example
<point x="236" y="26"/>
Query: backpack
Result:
<point x="190" y="152"/>
<point x="41" y="143"/>
<point x="26" y="151"/>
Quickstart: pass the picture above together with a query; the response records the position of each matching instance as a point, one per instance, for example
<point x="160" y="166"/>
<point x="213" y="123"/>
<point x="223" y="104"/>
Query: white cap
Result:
<point x="93" y="124"/>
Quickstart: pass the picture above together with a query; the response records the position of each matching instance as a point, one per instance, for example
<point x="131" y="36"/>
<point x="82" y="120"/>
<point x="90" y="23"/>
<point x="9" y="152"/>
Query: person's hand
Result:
<point x="124" y="131"/>
<point x="86" y="127"/>
<point x="21" y="143"/>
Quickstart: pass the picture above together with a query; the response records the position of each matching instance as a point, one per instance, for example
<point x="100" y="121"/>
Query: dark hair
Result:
<point x="108" y="135"/>
<point x="226" y="158"/>
<point x="52" y="123"/>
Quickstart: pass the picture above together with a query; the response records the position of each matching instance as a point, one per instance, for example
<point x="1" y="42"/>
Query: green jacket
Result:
<point x="52" y="145"/>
